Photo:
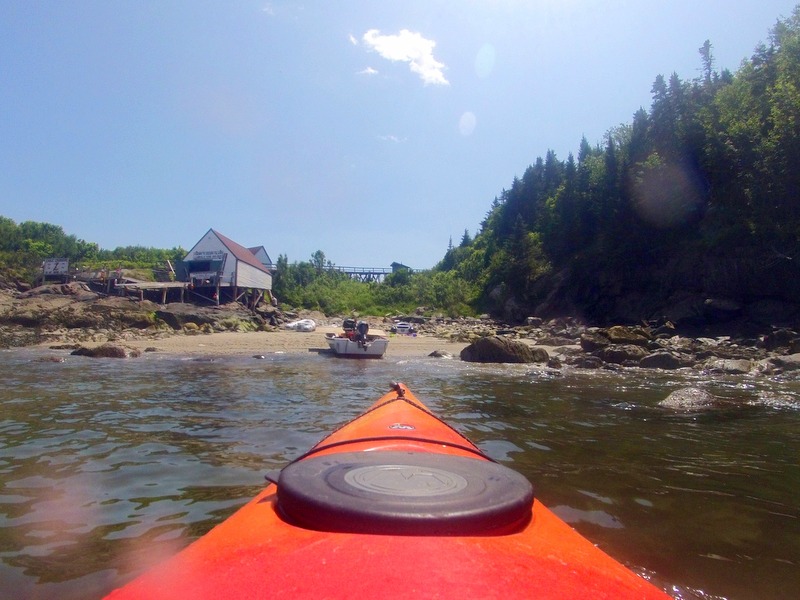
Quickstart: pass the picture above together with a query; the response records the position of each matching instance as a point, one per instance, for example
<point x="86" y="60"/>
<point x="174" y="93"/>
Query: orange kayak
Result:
<point x="394" y="504"/>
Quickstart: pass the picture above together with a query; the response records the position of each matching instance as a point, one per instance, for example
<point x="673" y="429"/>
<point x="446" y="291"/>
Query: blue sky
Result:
<point x="373" y="131"/>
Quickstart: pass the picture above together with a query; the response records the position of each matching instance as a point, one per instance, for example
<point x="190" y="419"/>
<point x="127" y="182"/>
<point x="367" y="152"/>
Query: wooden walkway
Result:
<point x="142" y="286"/>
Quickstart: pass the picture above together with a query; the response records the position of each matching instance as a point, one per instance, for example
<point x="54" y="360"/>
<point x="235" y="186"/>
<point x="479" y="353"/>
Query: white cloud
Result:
<point x="392" y="138"/>
<point x="368" y="71"/>
<point x="409" y="47"/>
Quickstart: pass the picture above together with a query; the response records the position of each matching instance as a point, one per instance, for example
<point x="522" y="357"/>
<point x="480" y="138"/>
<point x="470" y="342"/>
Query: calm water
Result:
<point x="108" y="466"/>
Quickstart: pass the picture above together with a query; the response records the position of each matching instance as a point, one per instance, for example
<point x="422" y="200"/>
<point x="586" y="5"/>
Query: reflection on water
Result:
<point x="108" y="466"/>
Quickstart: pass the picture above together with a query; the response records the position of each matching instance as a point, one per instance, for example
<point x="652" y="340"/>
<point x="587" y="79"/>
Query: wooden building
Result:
<point x="261" y="254"/>
<point x="396" y="266"/>
<point x="224" y="271"/>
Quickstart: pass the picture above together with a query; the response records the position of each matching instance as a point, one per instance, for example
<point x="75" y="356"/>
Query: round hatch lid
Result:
<point x="403" y="493"/>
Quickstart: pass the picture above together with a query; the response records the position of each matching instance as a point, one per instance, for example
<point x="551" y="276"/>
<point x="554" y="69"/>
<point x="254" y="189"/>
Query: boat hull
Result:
<point x="260" y="552"/>
<point x="347" y="348"/>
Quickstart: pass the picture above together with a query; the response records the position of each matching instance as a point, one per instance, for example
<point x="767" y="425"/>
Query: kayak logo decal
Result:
<point x="407" y="481"/>
<point x="402" y="426"/>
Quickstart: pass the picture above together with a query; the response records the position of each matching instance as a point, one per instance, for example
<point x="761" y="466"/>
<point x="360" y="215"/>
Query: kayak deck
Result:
<point x="329" y="549"/>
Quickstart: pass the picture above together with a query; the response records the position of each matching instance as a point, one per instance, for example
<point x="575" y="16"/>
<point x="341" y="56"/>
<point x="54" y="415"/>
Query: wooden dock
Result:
<point x="142" y="286"/>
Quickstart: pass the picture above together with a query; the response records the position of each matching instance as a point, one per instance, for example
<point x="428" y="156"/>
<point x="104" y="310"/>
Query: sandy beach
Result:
<point x="284" y="341"/>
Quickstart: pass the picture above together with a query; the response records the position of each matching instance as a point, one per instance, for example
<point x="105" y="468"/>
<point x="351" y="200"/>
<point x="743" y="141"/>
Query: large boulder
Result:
<point x="781" y="338"/>
<point x="585" y="361"/>
<point x="231" y="316"/>
<point x="597" y="339"/>
<point x="107" y="351"/>
<point x="733" y="366"/>
<point x="79" y="290"/>
<point x="790" y="362"/>
<point x="621" y="354"/>
<point x="620" y="334"/>
<point x="594" y="340"/>
<point x="661" y="360"/>
<point x="178" y="316"/>
<point x="70" y="307"/>
<point x="116" y="313"/>
<point x="499" y="349"/>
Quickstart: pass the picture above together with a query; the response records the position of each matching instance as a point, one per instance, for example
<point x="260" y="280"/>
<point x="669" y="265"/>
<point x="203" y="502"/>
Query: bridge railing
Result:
<point x="361" y="273"/>
<point x="360" y="270"/>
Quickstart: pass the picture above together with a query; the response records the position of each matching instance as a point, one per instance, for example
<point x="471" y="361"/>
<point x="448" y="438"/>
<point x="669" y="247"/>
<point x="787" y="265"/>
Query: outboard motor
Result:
<point x="362" y="328"/>
<point x="349" y="326"/>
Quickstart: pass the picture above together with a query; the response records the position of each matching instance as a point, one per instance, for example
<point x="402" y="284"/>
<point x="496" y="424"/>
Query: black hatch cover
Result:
<point x="403" y="493"/>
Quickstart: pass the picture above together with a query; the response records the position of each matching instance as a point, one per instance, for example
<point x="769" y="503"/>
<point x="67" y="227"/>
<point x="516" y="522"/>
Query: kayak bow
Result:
<point x="394" y="504"/>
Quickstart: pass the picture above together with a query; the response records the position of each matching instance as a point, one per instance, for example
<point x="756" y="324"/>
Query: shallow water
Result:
<point x="108" y="466"/>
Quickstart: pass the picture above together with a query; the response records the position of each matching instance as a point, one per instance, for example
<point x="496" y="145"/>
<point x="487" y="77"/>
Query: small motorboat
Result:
<point x="356" y="341"/>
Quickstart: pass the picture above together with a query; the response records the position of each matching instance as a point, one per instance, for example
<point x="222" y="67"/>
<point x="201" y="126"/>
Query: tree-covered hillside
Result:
<point x="23" y="246"/>
<point x="698" y="195"/>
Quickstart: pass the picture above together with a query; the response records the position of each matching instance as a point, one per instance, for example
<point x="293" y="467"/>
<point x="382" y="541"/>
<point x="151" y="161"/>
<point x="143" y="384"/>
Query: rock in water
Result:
<point x="690" y="398"/>
<point x="107" y="351"/>
<point x="497" y="349"/>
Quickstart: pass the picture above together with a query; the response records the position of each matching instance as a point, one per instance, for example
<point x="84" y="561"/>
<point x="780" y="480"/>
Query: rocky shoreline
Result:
<point x="72" y="315"/>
